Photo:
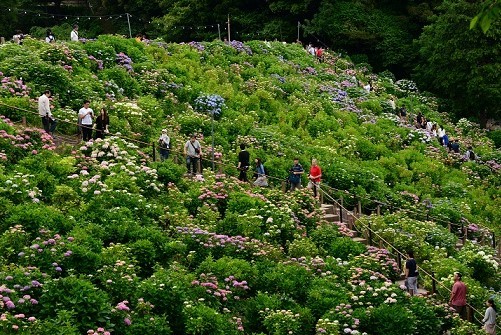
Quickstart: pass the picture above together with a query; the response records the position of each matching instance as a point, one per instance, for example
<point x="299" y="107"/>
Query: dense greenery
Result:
<point x="99" y="235"/>
<point x="430" y="39"/>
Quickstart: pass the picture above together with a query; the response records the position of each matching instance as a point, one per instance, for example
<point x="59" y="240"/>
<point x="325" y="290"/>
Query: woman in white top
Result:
<point x="490" y="317"/>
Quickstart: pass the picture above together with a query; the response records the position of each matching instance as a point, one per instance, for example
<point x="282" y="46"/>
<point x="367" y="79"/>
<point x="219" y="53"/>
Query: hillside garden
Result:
<point x="98" y="238"/>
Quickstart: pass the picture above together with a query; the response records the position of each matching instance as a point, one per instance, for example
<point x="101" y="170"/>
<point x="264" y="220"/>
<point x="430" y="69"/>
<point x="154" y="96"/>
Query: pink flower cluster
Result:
<point x="14" y="87"/>
<point x="210" y="282"/>
<point x="213" y="240"/>
<point x="98" y="331"/>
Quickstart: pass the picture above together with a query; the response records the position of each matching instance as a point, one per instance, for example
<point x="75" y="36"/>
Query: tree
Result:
<point x="491" y="11"/>
<point x="461" y="64"/>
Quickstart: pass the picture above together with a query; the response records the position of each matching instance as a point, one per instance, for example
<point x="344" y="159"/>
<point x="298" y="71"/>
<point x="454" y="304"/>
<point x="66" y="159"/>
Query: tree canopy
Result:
<point x="462" y="64"/>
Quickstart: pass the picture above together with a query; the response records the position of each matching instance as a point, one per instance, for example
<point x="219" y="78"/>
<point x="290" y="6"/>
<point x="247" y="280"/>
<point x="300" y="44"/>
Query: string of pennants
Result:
<point x="222" y="27"/>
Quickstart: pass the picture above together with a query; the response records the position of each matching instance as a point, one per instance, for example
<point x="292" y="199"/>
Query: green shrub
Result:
<point x="78" y="295"/>
<point x="427" y="321"/>
<point x="345" y="248"/>
<point x="389" y="320"/>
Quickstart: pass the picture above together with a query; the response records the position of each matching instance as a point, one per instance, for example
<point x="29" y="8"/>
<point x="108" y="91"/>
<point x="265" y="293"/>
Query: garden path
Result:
<point x="333" y="215"/>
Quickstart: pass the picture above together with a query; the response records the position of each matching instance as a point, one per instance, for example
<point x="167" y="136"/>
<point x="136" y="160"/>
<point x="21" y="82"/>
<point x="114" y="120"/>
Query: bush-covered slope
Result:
<point x="101" y="236"/>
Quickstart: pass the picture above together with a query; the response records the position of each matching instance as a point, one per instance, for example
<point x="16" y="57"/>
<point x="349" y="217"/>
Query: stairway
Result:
<point x="332" y="215"/>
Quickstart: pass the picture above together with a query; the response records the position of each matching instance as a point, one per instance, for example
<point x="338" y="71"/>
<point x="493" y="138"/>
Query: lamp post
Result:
<point x="212" y="134"/>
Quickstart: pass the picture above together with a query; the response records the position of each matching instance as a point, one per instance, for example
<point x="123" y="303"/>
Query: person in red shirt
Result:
<point x="315" y="177"/>
<point x="458" y="296"/>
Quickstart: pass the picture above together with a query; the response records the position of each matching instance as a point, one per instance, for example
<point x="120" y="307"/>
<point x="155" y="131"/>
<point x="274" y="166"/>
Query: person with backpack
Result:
<point x="193" y="152"/>
<point x="50" y="38"/>
<point x="164" y="145"/>
<point x="469" y="155"/>
<point x="261" y="179"/>
<point x="295" y="173"/>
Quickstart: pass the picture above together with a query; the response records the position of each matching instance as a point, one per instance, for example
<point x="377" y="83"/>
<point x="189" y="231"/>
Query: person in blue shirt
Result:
<point x="295" y="175"/>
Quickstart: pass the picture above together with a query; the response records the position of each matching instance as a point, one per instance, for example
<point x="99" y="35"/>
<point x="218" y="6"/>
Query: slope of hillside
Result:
<point x="101" y="236"/>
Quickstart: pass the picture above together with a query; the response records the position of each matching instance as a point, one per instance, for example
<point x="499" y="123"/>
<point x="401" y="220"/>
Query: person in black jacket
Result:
<point x="243" y="163"/>
<point x="102" y="123"/>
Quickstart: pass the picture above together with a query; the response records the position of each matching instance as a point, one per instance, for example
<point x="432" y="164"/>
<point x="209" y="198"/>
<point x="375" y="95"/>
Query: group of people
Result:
<point x="18" y="37"/>
<point x="457" y="298"/>
<point x="87" y="122"/>
<point x="317" y="52"/>
<point x="439" y="132"/>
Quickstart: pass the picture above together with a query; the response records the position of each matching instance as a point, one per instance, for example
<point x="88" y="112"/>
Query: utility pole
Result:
<point x="128" y="22"/>
<point x="219" y="31"/>
<point x="229" y="35"/>
<point x="298" y="26"/>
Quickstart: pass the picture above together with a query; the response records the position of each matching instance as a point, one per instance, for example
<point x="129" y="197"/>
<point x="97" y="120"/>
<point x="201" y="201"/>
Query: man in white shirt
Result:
<point x="48" y="121"/>
<point x="74" y="34"/>
<point x="86" y="115"/>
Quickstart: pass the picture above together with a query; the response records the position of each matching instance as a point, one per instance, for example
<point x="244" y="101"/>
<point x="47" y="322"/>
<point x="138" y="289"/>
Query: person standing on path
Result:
<point x="243" y="163"/>
<point x="295" y="173"/>
<point x="86" y="116"/>
<point x="261" y="179"/>
<point x="102" y="123"/>
<point x="74" y="33"/>
<point x="315" y="177"/>
<point x="193" y="152"/>
<point x="489" y="319"/>
<point x="458" y="296"/>
<point x="48" y="121"/>
<point x="164" y="145"/>
<point x="411" y="274"/>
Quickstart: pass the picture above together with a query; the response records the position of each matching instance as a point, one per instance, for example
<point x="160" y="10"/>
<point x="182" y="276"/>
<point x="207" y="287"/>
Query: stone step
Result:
<point x="354" y="233"/>
<point x="331" y="217"/>
<point x="421" y="291"/>
<point x="459" y="245"/>
<point x="328" y="208"/>
<point x="359" y="240"/>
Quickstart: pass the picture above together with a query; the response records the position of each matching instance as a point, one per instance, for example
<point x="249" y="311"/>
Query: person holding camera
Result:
<point x="295" y="173"/>
<point x="48" y="120"/>
<point x="193" y="152"/>
<point x="86" y="117"/>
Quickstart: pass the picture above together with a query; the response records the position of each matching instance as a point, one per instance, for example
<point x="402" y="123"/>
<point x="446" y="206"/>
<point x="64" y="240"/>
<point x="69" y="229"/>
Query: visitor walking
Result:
<point x="261" y="179"/>
<point x="469" y="155"/>
<point x="164" y="145"/>
<point x="18" y="37"/>
<point x="489" y="319"/>
<point x="454" y="146"/>
<point x="74" y="33"/>
<point x="50" y="38"/>
<point x="315" y="177"/>
<point x="102" y="122"/>
<point x="48" y="121"/>
<point x="193" y="152"/>
<point x="243" y="163"/>
<point x="295" y="173"/>
<point x="86" y="116"/>
<point x="441" y="134"/>
<point x="458" y="296"/>
<point x="411" y="274"/>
